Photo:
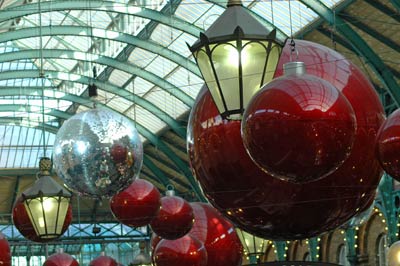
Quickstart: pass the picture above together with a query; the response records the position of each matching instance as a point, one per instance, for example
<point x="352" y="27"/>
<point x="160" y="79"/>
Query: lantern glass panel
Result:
<point x="47" y="214"/>
<point x="225" y="58"/>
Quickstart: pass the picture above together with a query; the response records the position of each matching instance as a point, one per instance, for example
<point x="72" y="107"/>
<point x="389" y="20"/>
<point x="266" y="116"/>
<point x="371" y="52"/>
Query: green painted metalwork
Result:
<point x="314" y="249"/>
<point x="396" y="4"/>
<point x="280" y="248"/>
<point x="351" y="241"/>
<point x="15" y="193"/>
<point x="370" y="31"/>
<point x="104" y="34"/>
<point x="68" y="54"/>
<point x="389" y="208"/>
<point x="106" y="6"/>
<point x="155" y="141"/>
<point x="362" y="48"/>
<point x="27" y="108"/>
<point x="156" y="171"/>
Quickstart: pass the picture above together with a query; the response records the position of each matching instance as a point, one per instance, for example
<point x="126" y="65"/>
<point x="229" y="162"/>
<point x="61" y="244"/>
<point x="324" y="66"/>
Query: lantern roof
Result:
<point x="46" y="186"/>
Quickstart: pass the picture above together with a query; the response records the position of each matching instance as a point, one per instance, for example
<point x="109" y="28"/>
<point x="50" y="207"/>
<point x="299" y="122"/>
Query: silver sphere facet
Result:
<point x="97" y="153"/>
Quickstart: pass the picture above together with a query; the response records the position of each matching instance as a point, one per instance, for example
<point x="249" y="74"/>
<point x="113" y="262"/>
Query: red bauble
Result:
<point x="23" y="224"/>
<point x="388" y="145"/>
<point x="299" y="128"/>
<point x="118" y="153"/>
<point x="61" y="259"/>
<point x="174" y="220"/>
<point x="137" y="205"/>
<point x="5" y="253"/>
<point x="218" y="236"/>
<point x="103" y="261"/>
<point x="276" y="209"/>
<point x="185" y="251"/>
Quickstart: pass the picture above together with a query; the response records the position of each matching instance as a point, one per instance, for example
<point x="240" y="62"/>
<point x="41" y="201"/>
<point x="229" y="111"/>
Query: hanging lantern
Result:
<point x="236" y="56"/>
<point x="46" y="205"/>
<point x="5" y="253"/>
<point x="254" y="247"/>
<point x="393" y="254"/>
<point x="299" y="127"/>
<point x="184" y="251"/>
<point x="137" y="205"/>
<point x="175" y="218"/>
<point x="61" y="259"/>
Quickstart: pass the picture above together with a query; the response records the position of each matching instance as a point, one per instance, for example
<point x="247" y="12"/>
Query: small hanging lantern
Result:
<point x="47" y="203"/>
<point x="236" y="56"/>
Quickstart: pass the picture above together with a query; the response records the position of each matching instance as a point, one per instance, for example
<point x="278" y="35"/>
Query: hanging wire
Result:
<point x="292" y="42"/>
<point x="41" y="76"/>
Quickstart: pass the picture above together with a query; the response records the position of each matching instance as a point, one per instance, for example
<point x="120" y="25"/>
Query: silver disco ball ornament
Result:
<point x="97" y="153"/>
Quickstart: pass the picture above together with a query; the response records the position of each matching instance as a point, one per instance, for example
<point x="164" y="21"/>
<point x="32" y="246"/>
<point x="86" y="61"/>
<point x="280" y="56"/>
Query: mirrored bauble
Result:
<point x="98" y="153"/>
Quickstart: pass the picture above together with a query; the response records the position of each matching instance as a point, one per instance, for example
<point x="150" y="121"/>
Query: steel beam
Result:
<point x="102" y="34"/>
<point x="105" y="6"/>
<point x="362" y="48"/>
<point x="129" y="68"/>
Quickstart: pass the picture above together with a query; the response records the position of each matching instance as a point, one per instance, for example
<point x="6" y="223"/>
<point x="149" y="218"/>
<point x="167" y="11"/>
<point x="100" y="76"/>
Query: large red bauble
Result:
<point x="174" y="220"/>
<point x="388" y="145"/>
<point x="299" y="128"/>
<point x="5" y="253"/>
<point x="185" y="251"/>
<point x="23" y="223"/>
<point x="218" y="236"/>
<point x="61" y="259"/>
<point x="137" y="205"/>
<point x="275" y="209"/>
<point x="103" y="261"/>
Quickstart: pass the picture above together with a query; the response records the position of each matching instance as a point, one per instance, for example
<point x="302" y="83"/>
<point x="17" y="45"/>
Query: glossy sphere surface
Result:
<point x="299" y="128"/>
<point x="218" y="236"/>
<point x="103" y="261"/>
<point x="97" y="153"/>
<point x="275" y="209"/>
<point x="137" y="205"/>
<point x="61" y="259"/>
<point x="388" y="145"/>
<point x="23" y="223"/>
<point x="175" y="218"/>
<point x="393" y="254"/>
<point x="185" y="251"/>
<point x="5" y="253"/>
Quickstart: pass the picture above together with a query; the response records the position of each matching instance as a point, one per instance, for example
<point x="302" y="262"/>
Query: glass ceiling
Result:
<point x="145" y="71"/>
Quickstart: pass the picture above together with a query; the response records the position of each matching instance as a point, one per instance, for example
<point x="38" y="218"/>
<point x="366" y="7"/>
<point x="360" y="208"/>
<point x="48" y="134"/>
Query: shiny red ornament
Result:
<point x="118" y="153"/>
<point x="23" y="223"/>
<point x="103" y="260"/>
<point x="218" y="236"/>
<point x="185" y="251"/>
<point x="61" y="259"/>
<point x="5" y="253"/>
<point x="299" y="128"/>
<point x="272" y="208"/>
<point x="388" y="145"/>
<point x="175" y="218"/>
<point x="137" y="205"/>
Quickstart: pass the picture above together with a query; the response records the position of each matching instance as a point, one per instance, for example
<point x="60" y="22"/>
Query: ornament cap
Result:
<point x="170" y="193"/>
<point x="294" y="68"/>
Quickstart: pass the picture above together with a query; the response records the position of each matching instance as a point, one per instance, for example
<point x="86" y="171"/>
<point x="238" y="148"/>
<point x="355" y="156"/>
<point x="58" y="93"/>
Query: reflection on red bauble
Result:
<point x="185" y="251"/>
<point x="5" y="253"/>
<point x="155" y="239"/>
<point x="272" y="208"/>
<point x="174" y="220"/>
<point x="388" y="145"/>
<point x="218" y="236"/>
<point x="61" y="259"/>
<point x="118" y="153"/>
<point x="103" y="261"/>
<point x="23" y="223"/>
<point x="299" y="128"/>
<point x="137" y="205"/>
